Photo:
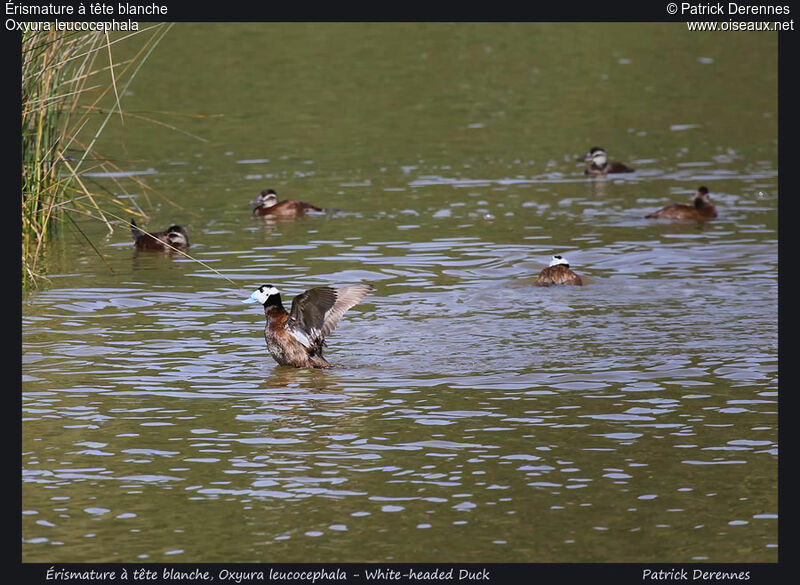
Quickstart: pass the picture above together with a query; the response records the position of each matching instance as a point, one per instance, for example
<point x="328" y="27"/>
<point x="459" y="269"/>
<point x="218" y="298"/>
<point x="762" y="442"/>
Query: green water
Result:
<point x="473" y="416"/>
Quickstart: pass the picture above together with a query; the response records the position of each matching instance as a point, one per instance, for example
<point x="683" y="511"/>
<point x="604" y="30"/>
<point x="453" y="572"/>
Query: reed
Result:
<point x="71" y="87"/>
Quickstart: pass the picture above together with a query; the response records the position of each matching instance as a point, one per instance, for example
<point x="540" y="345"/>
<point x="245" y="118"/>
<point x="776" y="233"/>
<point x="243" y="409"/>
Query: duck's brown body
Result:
<point x="285" y="348"/>
<point x="171" y="239"/>
<point x="558" y="274"/>
<point x="701" y="210"/>
<point x="286" y="208"/>
<point x="684" y="211"/>
<point x="608" y="168"/>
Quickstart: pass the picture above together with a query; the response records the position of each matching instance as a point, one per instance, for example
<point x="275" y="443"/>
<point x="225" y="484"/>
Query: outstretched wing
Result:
<point x="317" y="312"/>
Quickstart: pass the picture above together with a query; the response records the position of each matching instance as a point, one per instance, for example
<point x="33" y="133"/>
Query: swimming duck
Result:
<point x="558" y="272"/>
<point x="600" y="165"/>
<point x="702" y="208"/>
<point x="267" y="204"/>
<point x="296" y="338"/>
<point x="174" y="236"/>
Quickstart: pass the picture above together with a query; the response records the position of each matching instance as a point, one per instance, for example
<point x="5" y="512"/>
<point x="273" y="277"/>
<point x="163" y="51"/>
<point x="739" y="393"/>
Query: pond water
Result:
<point x="472" y="415"/>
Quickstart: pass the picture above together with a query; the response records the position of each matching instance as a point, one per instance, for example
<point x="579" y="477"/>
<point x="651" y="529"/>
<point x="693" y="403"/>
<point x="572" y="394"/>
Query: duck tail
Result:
<point x="135" y="231"/>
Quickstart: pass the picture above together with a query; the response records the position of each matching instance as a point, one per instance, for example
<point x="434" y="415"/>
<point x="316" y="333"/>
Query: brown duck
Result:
<point x="267" y="204"/>
<point x="296" y="338"/>
<point x="558" y="272"/>
<point x="174" y="237"/>
<point x="702" y="209"/>
<point x="600" y="165"/>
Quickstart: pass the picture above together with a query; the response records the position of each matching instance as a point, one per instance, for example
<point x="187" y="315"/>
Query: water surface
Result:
<point x="473" y="416"/>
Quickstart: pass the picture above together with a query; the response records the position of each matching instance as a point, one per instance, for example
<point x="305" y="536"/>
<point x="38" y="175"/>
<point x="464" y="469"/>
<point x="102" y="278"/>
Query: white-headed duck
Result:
<point x="174" y="237"/>
<point x="599" y="164"/>
<point x="296" y="338"/>
<point x="558" y="272"/>
<point x="267" y="204"/>
<point x="701" y="210"/>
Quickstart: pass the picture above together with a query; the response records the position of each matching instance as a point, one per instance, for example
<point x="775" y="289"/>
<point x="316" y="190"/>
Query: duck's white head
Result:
<point x="262" y="294"/>
<point x="556" y="260"/>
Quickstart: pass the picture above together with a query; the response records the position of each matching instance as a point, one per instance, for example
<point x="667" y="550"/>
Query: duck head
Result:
<point x="596" y="156"/>
<point x="177" y="236"/>
<point x="701" y="198"/>
<point x="266" y="294"/>
<point x="267" y="198"/>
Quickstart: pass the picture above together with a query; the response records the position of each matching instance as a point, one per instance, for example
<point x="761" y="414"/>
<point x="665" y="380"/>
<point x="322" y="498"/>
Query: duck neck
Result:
<point x="274" y="305"/>
<point x="701" y="203"/>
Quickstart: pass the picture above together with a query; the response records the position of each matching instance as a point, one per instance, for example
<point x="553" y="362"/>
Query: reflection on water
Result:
<point x="473" y="415"/>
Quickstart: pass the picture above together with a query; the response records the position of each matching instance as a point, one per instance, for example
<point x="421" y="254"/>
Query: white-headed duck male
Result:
<point x="296" y="338"/>
<point x="558" y="272"/>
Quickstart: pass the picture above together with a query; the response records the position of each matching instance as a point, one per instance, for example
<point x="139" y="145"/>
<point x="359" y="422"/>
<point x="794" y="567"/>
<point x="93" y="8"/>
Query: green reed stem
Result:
<point x="56" y="69"/>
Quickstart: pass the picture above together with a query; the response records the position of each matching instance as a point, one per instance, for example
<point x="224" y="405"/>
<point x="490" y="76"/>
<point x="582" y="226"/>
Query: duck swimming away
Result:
<point x="702" y="209"/>
<point x="558" y="272"/>
<point x="174" y="236"/>
<point x="296" y="338"/>
<point x="267" y="204"/>
<point x="599" y="163"/>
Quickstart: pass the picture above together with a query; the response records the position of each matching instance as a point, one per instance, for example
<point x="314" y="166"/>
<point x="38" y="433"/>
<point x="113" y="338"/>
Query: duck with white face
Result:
<point x="599" y="164"/>
<point x="174" y="238"/>
<point x="296" y="338"/>
<point x="267" y="204"/>
<point x="558" y="272"/>
<point x="701" y="209"/>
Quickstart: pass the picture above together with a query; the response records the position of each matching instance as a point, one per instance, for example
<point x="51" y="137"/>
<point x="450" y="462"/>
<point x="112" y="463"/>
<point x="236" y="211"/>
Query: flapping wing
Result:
<point x="317" y="312"/>
<point x="307" y="315"/>
<point x="346" y="298"/>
